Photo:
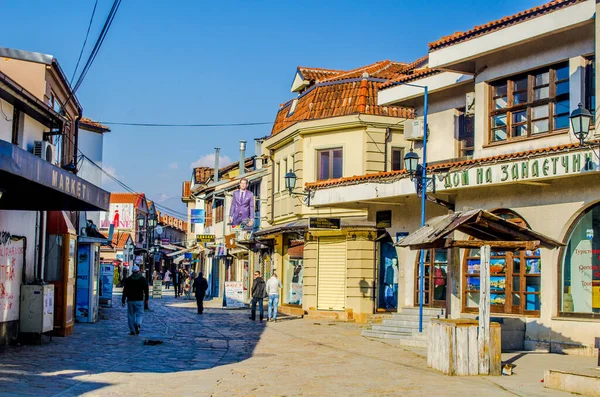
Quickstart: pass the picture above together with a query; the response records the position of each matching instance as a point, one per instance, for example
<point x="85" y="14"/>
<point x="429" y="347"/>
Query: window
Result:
<point x="383" y="219"/>
<point x="514" y="279"/>
<point x="581" y="268"/>
<point x="283" y="172"/>
<point x="219" y="211"/>
<point x="329" y="164"/>
<point x="397" y="159"/>
<point x="277" y="177"/>
<point x="465" y="126"/>
<point x="590" y="86"/>
<point x="208" y="210"/>
<point x="530" y="104"/>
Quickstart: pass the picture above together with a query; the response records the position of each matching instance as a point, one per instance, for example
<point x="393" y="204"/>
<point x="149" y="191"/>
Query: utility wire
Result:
<point x="185" y="125"/>
<point x="84" y="42"/>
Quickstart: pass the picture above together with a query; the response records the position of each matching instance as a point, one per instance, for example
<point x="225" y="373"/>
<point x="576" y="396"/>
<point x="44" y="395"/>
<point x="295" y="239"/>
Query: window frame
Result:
<point x="331" y="156"/>
<point x="397" y="149"/>
<point x="506" y="88"/>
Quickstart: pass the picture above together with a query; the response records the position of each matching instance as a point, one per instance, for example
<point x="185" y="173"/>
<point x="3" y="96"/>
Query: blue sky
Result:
<point x="187" y="61"/>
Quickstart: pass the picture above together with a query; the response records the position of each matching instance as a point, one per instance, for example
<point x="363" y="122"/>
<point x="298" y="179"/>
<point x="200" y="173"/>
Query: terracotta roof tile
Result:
<point x="93" y="125"/>
<point x="316" y="74"/>
<point x="127" y="198"/>
<point x="120" y="239"/>
<point x="410" y="76"/>
<point x="502" y="23"/>
<point x="353" y="180"/>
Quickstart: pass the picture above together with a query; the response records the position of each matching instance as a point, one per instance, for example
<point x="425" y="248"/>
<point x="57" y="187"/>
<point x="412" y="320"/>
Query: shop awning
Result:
<point x="478" y="223"/>
<point x="30" y="183"/>
<point x="194" y="250"/>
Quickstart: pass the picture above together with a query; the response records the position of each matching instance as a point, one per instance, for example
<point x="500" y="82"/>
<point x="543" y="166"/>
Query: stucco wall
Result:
<point x="6" y="116"/>
<point x="29" y="75"/>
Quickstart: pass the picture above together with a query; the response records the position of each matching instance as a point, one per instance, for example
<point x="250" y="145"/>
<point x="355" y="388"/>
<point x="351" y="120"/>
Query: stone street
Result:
<point x="222" y="353"/>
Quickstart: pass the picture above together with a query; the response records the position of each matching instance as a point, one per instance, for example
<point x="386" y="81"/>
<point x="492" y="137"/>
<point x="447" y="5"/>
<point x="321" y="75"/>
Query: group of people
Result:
<point x="136" y="293"/>
<point x="262" y="290"/>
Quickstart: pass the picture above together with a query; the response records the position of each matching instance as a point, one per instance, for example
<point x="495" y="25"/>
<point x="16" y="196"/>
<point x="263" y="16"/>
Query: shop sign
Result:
<point x="119" y="215"/>
<point x="197" y="216"/>
<point x="525" y="170"/>
<point x="205" y="238"/>
<point x="230" y="241"/>
<point x="324" y="223"/>
<point x="11" y="267"/>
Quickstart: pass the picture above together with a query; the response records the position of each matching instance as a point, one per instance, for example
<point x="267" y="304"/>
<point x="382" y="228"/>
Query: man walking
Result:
<point x="167" y="279"/>
<point x="135" y="291"/>
<point x="177" y="282"/>
<point x="273" y="286"/>
<point x="259" y="292"/>
<point x="200" y="287"/>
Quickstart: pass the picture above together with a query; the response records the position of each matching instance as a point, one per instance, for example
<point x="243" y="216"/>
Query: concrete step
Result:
<point x="429" y="311"/>
<point x="391" y="328"/>
<point x="411" y="317"/>
<point x="583" y="382"/>
<point x="404" y="323"/>
<point x="404" y="338"/>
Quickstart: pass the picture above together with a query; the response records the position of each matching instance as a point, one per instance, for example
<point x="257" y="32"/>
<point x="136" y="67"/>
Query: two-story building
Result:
<point x="499" y="139"/>
<point x="334" y="128"/>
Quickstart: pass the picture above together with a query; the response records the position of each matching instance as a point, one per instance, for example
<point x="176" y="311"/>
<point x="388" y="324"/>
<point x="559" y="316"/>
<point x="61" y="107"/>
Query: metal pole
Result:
<point x="423" y="203"/>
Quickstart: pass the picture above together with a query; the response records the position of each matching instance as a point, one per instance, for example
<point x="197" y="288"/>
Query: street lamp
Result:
<point x="141" y="220"/>
<point x="581" y="119"/>
<point x="290" y="185"/>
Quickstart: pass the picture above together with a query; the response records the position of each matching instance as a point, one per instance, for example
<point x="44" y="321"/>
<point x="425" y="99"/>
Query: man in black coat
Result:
<point x="259" y="292"/>
<point x="177" y="282"/>
<point x="135" y="292"/>
<point x="200" y="287"/>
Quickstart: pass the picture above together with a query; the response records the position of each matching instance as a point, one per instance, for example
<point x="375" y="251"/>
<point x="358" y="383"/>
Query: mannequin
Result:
<point x="391" y="284"/>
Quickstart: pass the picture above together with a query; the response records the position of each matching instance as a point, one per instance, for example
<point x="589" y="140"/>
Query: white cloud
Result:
<point x="208" y="160"/>
<point x="163" y="197"/>
<point x="173" y="166"/>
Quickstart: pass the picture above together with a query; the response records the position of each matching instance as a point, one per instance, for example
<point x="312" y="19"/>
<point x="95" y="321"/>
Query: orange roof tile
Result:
<point x="381" y="69"/>
<point x="126" y="198"/>
<point x="502" y="23"/>
<point x="353" y="180"/>
<point x="316" y="74"/>
<point x="120" y="239"/>
<point x="338" y="98"/>
<point x="93" y="125"/>
<point x="410" y="76"/>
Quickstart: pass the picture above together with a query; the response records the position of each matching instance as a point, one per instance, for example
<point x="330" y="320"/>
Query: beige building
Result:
<point x="500" y="96"/>
<point x="333" y="129"/>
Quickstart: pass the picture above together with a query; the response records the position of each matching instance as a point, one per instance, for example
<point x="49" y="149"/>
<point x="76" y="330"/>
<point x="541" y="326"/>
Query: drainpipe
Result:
<point x="216" y="172"/>
<point x="41" y="246"/>
<point x="242" y="166"/>
<point x="76" y="143"/>
<point x="272" y="158"/>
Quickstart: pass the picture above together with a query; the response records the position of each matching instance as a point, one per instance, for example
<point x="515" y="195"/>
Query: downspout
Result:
<point x="76" y="143"/>
<point x="42" y="246"/>
<point x="216" y="171"/>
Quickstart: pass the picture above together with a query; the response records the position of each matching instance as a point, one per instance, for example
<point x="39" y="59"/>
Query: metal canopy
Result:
<point x="478" y="223"/>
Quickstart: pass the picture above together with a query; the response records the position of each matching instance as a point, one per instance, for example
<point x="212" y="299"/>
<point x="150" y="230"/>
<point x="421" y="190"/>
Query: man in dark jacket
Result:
<point x="200" y="287"/>
<point x="177" y="282"/>
<point x="135" y="291"/>
<point x="259" y="292"/>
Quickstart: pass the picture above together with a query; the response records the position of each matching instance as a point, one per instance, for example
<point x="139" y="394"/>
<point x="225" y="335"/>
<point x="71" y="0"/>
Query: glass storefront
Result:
<point x="388" y="276"/>
<point x="581" y="266"/>
<point x="293" y="274"/>
<point x="435" y="266"/>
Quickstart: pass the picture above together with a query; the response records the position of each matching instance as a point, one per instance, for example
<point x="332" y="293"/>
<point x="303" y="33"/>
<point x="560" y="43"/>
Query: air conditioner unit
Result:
<point x="45" y="150"/>
<point x="413" y="130"/>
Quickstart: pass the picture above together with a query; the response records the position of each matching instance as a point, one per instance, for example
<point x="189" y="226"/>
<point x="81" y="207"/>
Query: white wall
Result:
<point x="91" y="144"/>
<point x="32" y="131"/>
<point x="22" y="223"/>
<point x="6" y="116"/>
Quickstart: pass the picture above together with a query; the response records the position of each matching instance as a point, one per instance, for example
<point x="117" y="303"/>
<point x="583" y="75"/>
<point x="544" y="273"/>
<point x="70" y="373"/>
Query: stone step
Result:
<point x="391" y="328"/>
<point x="427" y="311"/>
<point x="404" y="338"/>
<point x="411" y="317"/>
<point x="404" y="323"/>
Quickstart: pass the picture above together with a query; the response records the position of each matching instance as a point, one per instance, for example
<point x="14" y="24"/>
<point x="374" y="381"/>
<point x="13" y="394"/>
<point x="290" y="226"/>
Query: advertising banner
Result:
<point x="82" y="304"/>
<point x="197" y="216"/>
<point x="157" y="289"/>
<point x="107" y="274"/>
<point x="11" y="265"/>
<point x="120" y="215"/>
<point x="234" y="294"/>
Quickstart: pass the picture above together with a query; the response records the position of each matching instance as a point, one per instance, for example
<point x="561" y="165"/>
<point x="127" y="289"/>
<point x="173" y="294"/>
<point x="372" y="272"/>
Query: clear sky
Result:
<point x="193" y="61"/>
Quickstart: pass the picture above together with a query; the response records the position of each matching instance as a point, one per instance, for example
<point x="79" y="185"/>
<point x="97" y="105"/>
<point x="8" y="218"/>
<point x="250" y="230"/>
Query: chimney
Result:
<point x="242" y="165"/>
<point x="258" y="153"/>
<point x="217" y="149"/>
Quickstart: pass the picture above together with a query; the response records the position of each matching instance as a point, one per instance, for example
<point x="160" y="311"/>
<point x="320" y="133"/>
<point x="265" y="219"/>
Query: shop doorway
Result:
<point x="435" y="282"/>
<point x="387" y="291"/>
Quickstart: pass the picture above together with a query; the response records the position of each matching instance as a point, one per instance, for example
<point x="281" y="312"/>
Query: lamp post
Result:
<point x="290" y="185"/>
<point x="411" y="162"/>
<point x="152" y="222"/>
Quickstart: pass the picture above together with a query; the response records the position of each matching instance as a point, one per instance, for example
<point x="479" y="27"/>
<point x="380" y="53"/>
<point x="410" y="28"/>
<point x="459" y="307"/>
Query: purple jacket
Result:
<point x="242" y="210"/>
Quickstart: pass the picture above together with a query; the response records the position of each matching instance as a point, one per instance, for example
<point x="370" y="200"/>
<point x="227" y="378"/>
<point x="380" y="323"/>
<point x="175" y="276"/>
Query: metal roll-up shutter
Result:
<point x="331" y="282"/>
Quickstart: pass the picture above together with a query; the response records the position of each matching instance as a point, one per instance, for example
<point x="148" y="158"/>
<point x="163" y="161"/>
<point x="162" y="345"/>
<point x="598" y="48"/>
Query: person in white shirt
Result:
<point x="273" y="286"/>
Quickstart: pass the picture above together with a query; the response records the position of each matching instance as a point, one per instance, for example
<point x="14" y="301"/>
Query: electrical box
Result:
<point x="37" y="308"/>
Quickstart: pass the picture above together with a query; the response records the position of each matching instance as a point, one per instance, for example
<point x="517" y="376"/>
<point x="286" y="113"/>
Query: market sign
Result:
<point x="324" y="223"/>
<point x="205" y="238"/>
<point x="529" y="170"/>
<point x="197" y="216"/>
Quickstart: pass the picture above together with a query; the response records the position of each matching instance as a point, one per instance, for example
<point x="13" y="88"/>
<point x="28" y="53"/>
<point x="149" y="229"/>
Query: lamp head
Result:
<point x="141" y="220"/>
<point x="581" y="119"/>
<point x="411" y="162"/>
<point x="290" y="181"/>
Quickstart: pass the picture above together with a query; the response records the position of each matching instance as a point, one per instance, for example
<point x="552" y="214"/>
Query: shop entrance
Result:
<point x="388" y="276"/>
<point x="436" y="268"/>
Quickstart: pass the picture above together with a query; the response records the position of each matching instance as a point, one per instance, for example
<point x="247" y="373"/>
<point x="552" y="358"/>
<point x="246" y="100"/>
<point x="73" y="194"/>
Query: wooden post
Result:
<point x="495" y="350"/>
<point x="484" y="311"/>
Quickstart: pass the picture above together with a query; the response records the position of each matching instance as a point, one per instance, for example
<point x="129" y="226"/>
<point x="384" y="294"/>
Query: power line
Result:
<point x="84" y="41"/>
<point x="186" y="125"/>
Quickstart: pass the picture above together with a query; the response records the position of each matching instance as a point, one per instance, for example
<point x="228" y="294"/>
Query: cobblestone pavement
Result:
<point x="222" y="353"/>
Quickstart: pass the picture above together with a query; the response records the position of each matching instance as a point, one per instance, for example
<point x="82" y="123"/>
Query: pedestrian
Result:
<point x="135" y="291"/>
<point x="200" y="287"/>
<point x="273" y="286"/>
<point x="167" y="279"/>
<point x="177" y="282"/>
<point x="259" y="292"/>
